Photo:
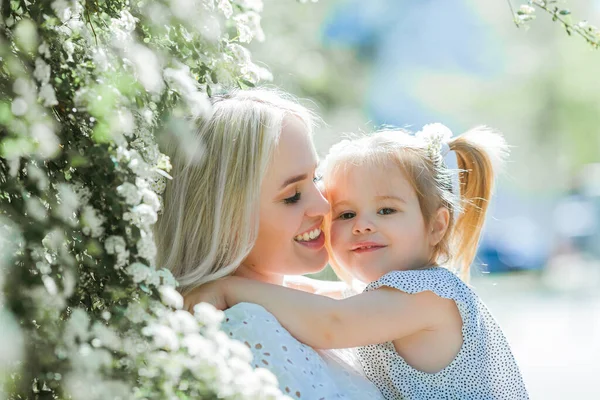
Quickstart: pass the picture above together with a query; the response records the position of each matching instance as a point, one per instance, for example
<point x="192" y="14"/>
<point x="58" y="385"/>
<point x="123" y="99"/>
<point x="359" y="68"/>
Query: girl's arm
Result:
<point x="333" y="289"/>
<point x="373" y="317"/>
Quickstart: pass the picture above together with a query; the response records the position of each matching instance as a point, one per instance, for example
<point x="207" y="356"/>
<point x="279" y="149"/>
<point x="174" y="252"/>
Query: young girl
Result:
<point x="398" y="222"/>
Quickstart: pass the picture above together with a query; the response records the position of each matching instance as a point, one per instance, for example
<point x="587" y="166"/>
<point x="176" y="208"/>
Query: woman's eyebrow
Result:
<point x="296" y="178"/>
<point x="293" y="179"/>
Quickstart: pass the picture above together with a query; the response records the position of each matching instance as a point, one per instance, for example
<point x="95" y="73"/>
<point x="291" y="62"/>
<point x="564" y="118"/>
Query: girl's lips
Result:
<point x="366" y="247"/>
<point x="315" y="244"/>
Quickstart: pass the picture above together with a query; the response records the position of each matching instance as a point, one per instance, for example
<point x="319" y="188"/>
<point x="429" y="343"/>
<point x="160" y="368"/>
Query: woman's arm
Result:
<point x="373" y="317"/>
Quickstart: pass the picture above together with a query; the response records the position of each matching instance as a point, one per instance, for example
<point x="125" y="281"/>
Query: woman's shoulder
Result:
<point x="301" y="371"/>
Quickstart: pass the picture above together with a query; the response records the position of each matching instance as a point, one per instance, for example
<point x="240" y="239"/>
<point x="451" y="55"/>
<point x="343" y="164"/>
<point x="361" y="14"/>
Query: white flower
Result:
<point x="18" y="106"/>
<point x="116" y="245"/>
<point x="141" y="215"/>
<point x="48" y="95"/>
<point x="69" y="48"/>
<point x="35" y="208"/>
<point x="137" y="164"/>
<point x="240" y="350"/>
<point x="139" y="272"/>
<point x="36" y="174"/>
<point x="83" y="193"/>
<point x="198" y="345"/>
<point x="181" y="79"/>
<point x="150" y="198"/>
<point x="199" y="104"/>
<point x="48" y="143"/>
<point x="124" y="122"/>
<point x="42" y="71"/>
<point x="526" y="9"/>
<point x="100" y="59"/>
<point x="77" y="327"/>
<point x="127" y="21"/>
<point x="164" y="337"/>
<point x="182" y="322"/>
<point x="130" y="192"/>
<point x="135" y="313"/>
<point x="147" y="67"/>
<point x="92" y="222"/>
<point x="68" y="202"/>
<point x="153" y="279"/>
<point x="254" y="5"/>
<point x="240" y="53"/>
<point x="167" y="277"/>
<point x="248" y="26"/>
<point x="61" y="9"/>
<point x="171" y="297"/>
<point x="44" y="49"/>
<point x="208" y="315"/>
<point x="50" y="285"/>
<point x="146" y="247"/>
<point x="107" y="336"/>
<point x="26" y="89"/>
<point x="225" y="7"/>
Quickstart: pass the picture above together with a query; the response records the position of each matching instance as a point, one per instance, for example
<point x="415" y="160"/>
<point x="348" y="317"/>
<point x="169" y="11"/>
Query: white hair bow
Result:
<point x="436" y="137"/>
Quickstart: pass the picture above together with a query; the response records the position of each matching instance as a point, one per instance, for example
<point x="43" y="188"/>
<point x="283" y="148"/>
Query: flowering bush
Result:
<point x="87" y="88"/>
<point x="526" y="12"/>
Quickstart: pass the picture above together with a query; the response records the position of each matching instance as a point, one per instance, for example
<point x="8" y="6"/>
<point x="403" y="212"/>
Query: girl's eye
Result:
<point x="294" y="199"/>
<point x="386" y="211"/>
<point x="346" y="215"/>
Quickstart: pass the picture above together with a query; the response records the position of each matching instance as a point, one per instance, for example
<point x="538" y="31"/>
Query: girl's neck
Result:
<point x="250" y="273"/>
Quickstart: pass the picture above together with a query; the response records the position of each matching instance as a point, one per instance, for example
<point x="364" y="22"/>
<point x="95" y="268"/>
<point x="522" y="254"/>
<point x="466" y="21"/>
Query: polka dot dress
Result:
<point x="484" y="368"/>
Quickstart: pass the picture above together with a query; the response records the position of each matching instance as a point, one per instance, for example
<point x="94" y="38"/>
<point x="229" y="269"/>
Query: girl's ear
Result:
<point x="439" y="225"/>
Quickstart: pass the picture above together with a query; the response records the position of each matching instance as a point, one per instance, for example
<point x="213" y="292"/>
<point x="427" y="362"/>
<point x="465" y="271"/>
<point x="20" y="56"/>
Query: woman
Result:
<point x="250" y="207"/>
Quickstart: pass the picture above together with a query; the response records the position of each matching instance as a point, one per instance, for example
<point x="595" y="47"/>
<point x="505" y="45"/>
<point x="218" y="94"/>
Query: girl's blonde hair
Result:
<point x="479" y="153"/>
<point x="209" y="221"/>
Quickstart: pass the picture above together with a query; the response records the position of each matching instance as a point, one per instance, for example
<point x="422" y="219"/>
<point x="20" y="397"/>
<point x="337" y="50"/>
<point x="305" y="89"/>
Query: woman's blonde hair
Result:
<point x="209" y="221"/>
<point x="479" y="154"/>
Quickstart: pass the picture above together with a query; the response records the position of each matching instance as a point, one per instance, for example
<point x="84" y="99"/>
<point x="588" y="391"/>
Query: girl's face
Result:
<point x="377" y="225"/>
<point x="290" y="241"/>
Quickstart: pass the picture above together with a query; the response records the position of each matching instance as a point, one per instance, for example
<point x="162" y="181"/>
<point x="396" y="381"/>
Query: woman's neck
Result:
<point x="249" y="273"/>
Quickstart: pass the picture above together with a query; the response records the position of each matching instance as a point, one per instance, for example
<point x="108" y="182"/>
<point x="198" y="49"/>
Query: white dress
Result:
<point x="484" y="367"/>
<point x="302" y="372"/>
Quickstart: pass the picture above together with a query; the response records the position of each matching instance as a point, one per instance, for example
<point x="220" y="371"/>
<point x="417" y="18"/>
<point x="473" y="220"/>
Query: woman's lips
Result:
<point x="316" y="243"/>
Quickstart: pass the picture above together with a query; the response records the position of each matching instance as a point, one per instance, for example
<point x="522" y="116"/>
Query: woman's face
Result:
<point x="292" y="208"/>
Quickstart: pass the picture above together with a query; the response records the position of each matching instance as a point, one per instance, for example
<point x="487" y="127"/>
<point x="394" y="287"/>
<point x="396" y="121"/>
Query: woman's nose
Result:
<point x="319" y="207"/>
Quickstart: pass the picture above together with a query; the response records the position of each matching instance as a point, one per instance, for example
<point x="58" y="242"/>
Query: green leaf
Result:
<point x="247" y="83"/>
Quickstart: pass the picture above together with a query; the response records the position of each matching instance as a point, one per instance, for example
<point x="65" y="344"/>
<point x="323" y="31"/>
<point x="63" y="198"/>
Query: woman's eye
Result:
<point x="294" y="199"/>
<point x="386" y="211"/>
<point x="346" y="215"/>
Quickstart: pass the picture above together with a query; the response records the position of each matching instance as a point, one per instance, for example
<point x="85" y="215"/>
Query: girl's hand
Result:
<point x="212" y="293"/>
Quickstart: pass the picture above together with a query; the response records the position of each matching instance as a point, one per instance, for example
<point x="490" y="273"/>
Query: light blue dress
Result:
<point x="302" y="372"/>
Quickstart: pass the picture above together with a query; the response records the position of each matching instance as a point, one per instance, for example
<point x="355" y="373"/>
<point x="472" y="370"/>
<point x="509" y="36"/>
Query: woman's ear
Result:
<point x="439" y="225"/>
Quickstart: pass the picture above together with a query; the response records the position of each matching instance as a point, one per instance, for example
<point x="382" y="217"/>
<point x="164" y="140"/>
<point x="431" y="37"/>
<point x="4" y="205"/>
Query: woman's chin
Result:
<point x="313" y="264"/>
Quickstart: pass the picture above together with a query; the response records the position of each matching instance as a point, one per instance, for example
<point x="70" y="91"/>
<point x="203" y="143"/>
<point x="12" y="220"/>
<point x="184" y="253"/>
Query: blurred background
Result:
<point x="362" y="65"/>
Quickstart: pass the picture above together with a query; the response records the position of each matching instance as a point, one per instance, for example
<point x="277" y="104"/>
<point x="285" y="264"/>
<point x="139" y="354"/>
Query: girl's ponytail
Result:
<point x="479" y="153"/>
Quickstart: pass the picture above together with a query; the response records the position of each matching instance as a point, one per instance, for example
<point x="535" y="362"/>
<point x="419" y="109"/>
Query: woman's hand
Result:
<point x="212" y="293"/>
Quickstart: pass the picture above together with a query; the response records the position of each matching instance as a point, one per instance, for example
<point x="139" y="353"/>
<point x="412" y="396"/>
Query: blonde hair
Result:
<point x="479" y="154"/>
<point x="209" y="221"/>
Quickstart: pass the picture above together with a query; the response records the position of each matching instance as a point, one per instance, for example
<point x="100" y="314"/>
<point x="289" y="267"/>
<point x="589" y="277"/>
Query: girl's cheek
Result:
<point x="336" y="236"/>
